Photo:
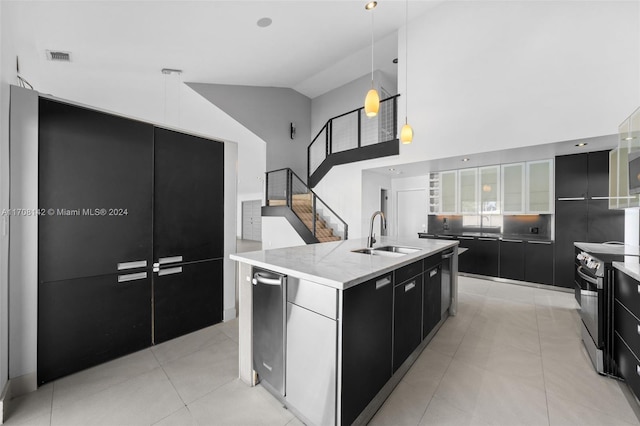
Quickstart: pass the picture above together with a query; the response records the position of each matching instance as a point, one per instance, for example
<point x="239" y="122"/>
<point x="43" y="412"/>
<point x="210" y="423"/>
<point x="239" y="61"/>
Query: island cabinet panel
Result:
<point x="626" y="338"/>
<point x="432" y="298"/>
<point x="407" y="312"/>
<point x="367" y="327"/>
<point x="512" y="259"/>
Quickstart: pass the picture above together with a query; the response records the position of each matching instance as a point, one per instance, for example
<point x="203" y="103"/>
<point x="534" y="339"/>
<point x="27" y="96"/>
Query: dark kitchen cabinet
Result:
<point x="90" y="161"/>
<point x="187" y="298"/>
<point x="366" y="344"/>
<point x="538" y="267"/>
<point x="432" y="299"/>
<point x="407" y="322"/>
<point x="512" y="258"/>
<point x="123" y="197"/>
<point x="626" y="340"/>
<point x="572" y="175"/>
<point x="482" y="257"/>
<point x="188" y="197"/>
<point x="83" y="322"/>
<point x="466" y="261"/>
<point x="582" y="214"/>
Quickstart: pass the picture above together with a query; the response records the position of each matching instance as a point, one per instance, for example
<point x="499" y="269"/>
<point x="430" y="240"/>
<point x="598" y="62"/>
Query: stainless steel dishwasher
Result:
<point x="447" y="281"/>
<point x="269" y="302"/>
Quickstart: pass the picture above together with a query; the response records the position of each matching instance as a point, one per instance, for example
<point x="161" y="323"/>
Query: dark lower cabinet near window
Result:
<point x="512" y="259"/>
<point x="407" y="314"/>
<point x="432" y="299"/>
<point x="366" y="343"/>
<point x="538" y="266"/>
<point x="187" y="298"/>
<point x="83" y="322"/>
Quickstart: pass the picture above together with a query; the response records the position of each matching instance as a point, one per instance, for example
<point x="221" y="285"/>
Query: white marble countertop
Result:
<point x="613" y="249"/>
<point x="630" y="267"/>
<point x="335" y="265"/>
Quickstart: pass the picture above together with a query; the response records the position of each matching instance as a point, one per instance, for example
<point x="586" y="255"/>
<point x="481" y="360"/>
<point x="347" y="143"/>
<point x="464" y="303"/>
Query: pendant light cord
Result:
<point x="372" y="48"/>
<point x="406" y="63"/>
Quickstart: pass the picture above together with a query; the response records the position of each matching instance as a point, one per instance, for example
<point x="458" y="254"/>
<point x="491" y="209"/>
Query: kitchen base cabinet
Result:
<point x="407" y="312"/>
<point x="482" y="257"/>
<point x="432" y="299"/>
<point x="512" y="259"/>
<point x="187" y="298"/>
<point x="367" y="327"/>
<point x="538" y="267"/>
<point x="571" y="226"/>
<point x="86" y="321"/>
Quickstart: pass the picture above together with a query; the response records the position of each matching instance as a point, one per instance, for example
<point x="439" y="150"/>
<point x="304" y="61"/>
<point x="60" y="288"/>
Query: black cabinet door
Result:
<point x="186" y="298"/>
<point x="538" y="266"/>
<point x="189" y="197"/>
<point x="628" y="364"/>
<point x="512" y="259"/>
<point x="466" y="261"/>
<point x="571" y="226"/>
<point x="86" y="321"/>
<point x="603" y="224"/>
<point x="407" y="322"/>
<point x="571" y="176"/>
<point x="367" y="323"/>
<point x="598" y="174"/>
<point x="432" y="299"/>
<point x="482" y="257"/>
<point x="95" y="185"/>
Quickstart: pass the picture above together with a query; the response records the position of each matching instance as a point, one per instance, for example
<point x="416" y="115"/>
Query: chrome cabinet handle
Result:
<point x="132" y="277"/>
<point x="638" y="288"/>
<point x="511" y="241"/>
<point x="465" y="238"/>
<point x="548" y="243"/>
<point x="638" y="370"/>
<point x="571" y="199"/>
<point x="433" y="272"/>
<point x="488" y="239"/>
<point x="410" y="286"/>
<point x="170" y="271"/>
<point x="638" y="329"/>
<point x="383" y="282"/>
<point x="132" y="265"/>
<point x="170" y="259"/>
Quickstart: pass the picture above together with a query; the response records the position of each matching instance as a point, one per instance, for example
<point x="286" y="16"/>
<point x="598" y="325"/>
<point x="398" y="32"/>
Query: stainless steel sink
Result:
<point x="389" y="251"/>
<point x="398" y="249"/>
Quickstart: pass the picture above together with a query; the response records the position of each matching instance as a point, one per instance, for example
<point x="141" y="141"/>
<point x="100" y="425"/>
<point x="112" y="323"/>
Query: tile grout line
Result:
<point x="53" y="394"/>
<point x="544" y="378"/>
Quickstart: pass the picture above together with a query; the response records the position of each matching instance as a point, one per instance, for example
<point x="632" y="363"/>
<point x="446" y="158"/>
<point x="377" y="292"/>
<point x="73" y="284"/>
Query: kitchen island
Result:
<point x="353" y="320"/>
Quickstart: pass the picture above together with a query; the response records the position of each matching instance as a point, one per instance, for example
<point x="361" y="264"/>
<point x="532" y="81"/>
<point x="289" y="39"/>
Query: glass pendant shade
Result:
<point x="406" y="134"/>
<point x="372" y="103"/>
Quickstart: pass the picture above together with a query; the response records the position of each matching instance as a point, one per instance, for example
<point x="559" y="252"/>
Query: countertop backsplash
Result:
<point x="511" y="224"/>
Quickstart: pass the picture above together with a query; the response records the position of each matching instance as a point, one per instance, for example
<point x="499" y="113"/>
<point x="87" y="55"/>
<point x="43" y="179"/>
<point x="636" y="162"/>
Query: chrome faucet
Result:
<point x="372" y="238"/>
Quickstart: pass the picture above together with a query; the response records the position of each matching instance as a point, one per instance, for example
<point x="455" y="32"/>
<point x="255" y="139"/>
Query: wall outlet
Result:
<point x="534" y="230"/>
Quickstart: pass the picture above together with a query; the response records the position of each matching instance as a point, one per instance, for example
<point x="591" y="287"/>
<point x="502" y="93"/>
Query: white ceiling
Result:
<point x="219" y="41"/>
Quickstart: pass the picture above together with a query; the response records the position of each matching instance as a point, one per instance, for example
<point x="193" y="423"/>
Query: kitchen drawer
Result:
<point x="407" y="324"/>
<point x="434" y="260"/>
<point x="313" y="296"/>
<point x="627" y="291"/>
<point x="627" y="326"/>
<point x="628" y="364"/>
<point x="408" y="272"/>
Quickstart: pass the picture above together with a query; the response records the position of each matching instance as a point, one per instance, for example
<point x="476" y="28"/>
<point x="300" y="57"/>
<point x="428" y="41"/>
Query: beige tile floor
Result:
<point x="512" y="356"/>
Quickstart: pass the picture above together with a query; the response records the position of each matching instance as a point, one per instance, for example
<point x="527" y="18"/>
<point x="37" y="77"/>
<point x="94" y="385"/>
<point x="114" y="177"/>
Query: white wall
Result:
<point x="372" y="183"/>
<point x="277" y="232"/>
<point x="489" y="76"/>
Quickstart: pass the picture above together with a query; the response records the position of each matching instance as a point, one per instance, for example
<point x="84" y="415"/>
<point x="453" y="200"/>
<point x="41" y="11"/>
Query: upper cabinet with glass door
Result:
<point x="449" y="192"/>
<point x="489" y="189"/>
<point x="468" y="191"/>
<point x="513" y="188"/>
<point x="539" y="187"/>
<point x="629" y="143"/>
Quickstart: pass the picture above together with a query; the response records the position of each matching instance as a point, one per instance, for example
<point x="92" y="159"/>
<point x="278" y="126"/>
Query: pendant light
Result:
<point x="406" y="134"/>
<point x="372" y="101"/>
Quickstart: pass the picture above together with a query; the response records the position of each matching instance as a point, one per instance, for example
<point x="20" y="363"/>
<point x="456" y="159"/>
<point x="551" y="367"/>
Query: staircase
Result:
<point x="288" y="196"/>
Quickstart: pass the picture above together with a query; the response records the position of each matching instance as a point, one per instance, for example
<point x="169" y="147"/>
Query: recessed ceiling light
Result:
<point x="395" y="60"/>
<point x="264" y="22"/>
<point x="465" y="159"/>
<point x="582" y="144"/>
<point x="391" y="169"/>
<point x="629" y="138"/>
<point x="371" y="5"/>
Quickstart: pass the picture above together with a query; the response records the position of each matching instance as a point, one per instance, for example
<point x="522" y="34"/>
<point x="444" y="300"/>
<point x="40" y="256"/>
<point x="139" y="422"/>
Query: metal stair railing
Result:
<point x="283" y="185"/>
<point x="353" y="130"/>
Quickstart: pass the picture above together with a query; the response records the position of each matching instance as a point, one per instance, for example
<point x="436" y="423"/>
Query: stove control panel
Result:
<point x="588" y="260"/>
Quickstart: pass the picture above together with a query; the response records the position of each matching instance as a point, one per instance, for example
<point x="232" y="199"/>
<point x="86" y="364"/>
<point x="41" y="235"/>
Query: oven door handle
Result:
<point x="587" y="277"/>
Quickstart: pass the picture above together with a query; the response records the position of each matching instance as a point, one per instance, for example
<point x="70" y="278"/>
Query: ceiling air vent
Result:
<point x="56" y="55"/>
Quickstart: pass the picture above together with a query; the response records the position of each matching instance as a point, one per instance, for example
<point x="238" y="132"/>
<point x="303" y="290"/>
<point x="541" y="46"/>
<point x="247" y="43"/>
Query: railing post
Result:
<point x="346" y="231"/>
<point x="359" y="129"/>
<point x="395" y="117"/>
<point x="309" y="163"/>
<point x="313" y="213"/>
<point x="329" y="138"/>
<point x="289" y="189"/>
<point x="266" y="189"/>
